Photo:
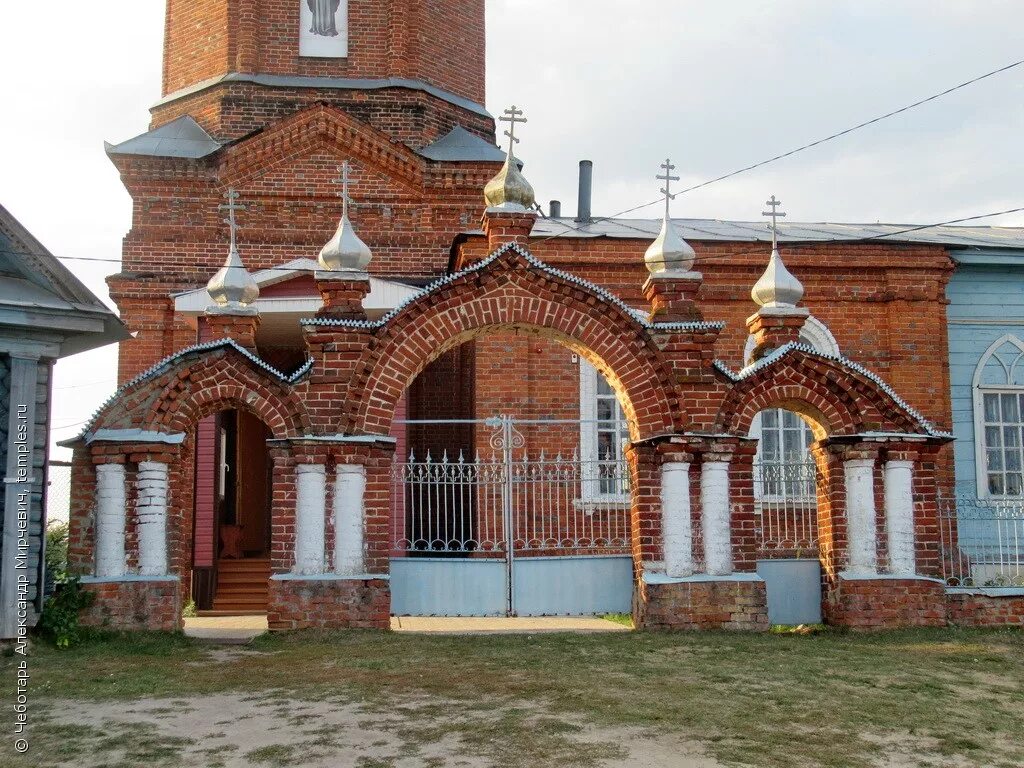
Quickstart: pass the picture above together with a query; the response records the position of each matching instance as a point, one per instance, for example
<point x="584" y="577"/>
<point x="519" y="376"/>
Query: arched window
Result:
<point x="999" y="419"/>
<point x="784" y="470"/>
<point x="783" y="466"/>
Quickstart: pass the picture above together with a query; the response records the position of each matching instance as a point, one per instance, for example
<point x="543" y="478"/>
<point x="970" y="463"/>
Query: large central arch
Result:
<point x="512" y="291"/>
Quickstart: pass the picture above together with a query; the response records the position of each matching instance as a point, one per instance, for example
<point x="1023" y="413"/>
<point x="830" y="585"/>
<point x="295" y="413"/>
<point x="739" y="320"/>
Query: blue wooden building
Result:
<point x="986" y="368"/>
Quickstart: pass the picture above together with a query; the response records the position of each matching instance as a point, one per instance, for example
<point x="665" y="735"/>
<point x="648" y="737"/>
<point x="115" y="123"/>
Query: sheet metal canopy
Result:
<point x="183" y="137"/>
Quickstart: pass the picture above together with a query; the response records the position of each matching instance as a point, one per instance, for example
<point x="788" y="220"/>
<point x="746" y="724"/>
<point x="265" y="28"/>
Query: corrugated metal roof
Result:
<point x="792" y="232"/>
<point x="183" y="137"/>
<point x="462" y="146"/>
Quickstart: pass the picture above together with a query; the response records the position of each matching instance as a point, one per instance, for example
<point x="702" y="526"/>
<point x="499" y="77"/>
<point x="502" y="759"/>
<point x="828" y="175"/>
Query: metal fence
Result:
<point x="982" y="542"/>
<point x="529" y="504"/>
<point x="786" y="503"/>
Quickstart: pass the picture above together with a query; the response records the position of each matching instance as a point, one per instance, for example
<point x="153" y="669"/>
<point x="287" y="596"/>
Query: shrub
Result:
<point x="59" y="621"/>
<point x="56" y="552"/>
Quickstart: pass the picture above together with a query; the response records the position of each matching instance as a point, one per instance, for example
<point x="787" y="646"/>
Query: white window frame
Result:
<point x="979" y="390"/>
<point x="815" y="334"/>
<point x="588" y="441"/>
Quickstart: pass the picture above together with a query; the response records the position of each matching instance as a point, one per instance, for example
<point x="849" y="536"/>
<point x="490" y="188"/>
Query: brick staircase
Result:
<point x="241" y="586"/>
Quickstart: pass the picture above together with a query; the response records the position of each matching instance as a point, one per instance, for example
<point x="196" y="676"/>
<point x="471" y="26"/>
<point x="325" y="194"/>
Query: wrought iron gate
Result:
<point x="511" y="529"/>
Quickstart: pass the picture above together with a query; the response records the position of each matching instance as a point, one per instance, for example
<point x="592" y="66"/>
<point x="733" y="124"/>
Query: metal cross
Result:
<point x="775" y="217"/>
<point x="668" y="178"/>
<point x="345" y="182"/>
<point x="231" y="206"/>
<point x="512" y="115"/>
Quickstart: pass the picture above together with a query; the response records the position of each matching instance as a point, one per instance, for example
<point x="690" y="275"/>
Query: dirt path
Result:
<point x="234" y="731"/>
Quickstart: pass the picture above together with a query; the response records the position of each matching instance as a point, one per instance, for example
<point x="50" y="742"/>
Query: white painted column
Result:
<point x="349" y="512"/>
<point x="676" y="519"/>
<point x="110" y="519"/>
<point x="151" y="483"/>
<point x="861" y="527"/>
<point x="899" y="516"/>
<point x="715" y="517"/>
<point x="310" y="511"/>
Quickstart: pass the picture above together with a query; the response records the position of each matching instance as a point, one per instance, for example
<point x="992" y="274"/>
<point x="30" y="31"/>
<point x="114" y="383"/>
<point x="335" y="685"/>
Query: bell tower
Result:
<point x="414" y="68"/>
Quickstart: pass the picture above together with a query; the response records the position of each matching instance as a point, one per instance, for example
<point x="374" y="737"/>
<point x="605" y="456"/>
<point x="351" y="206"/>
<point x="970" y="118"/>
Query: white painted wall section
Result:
<point x="899" y="516"/>
<point x="862" y="530"/>
<point x="310" y="513"/>
<point x="110" y="519"/>
<point x="151" y="483"/>
<point x="676" y="520"/>
<point x="714" y="499"/>
<point x="349" y="513"/>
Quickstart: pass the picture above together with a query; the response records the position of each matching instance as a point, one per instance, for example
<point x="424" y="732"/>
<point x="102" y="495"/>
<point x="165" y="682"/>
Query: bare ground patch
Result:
<point x="238" y="731"/>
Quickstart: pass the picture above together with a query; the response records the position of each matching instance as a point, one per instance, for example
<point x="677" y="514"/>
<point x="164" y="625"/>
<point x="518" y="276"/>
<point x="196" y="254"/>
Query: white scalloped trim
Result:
<point x="600" y="292"/>
<point x="206" y="346"/>
<point x="785" y="349"/>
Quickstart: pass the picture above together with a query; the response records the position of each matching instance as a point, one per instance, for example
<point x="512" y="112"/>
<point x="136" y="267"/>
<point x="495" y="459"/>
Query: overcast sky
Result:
<point x="716" y="86"/>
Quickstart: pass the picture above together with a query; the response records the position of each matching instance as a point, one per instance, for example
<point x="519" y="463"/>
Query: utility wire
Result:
<point x="736" y="172"/>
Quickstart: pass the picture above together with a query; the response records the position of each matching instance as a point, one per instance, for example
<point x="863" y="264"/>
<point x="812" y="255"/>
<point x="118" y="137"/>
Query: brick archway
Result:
<point x="176" y="394"/>
<point x="836" y="396"/>
<point x="511" y="291"/>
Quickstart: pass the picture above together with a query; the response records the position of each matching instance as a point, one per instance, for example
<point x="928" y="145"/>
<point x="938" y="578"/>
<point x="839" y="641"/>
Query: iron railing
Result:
<point x="786" y="503"/>
<point x="982" y="542"/>
<point x="531" y="504"/>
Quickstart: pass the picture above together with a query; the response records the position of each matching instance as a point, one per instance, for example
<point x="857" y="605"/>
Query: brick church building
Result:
<point x="451" y="403"/>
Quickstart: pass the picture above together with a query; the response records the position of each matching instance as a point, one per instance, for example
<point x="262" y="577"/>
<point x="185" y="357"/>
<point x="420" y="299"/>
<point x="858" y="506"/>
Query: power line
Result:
<point x="809" y="145"/>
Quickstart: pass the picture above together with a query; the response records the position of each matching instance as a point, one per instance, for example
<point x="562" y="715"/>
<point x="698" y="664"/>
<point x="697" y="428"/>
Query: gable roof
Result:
<point x="33" y="280"/>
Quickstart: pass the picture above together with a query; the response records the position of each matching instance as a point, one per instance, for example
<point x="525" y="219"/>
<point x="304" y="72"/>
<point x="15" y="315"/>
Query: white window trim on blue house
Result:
<point x="979" y="390"/>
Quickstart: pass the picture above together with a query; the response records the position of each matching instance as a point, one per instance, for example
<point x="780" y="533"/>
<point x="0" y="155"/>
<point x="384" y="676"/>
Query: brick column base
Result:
<point x="886" y="603"/>
<point x="985" y="608"/>
<point x="134" y="603"/>
<point x="329" y="603"/>
<point x="701" y="603"/>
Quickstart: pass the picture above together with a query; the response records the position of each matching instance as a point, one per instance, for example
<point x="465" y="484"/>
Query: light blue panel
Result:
<point x="986" y="302"/>
<point x="573" y="586"/>
<point x="794" y="590"/>
<point x="423" y="586"/>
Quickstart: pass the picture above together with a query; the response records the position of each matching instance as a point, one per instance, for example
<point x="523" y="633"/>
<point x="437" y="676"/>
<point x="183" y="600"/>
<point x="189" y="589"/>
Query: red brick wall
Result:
<point x="441" y="43"/>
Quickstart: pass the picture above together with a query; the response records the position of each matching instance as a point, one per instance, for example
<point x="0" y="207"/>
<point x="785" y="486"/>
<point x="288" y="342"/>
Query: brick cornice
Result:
<point x="320" y="126"/>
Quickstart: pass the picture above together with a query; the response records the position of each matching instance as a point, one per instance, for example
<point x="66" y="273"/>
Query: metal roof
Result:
<point x="183" y="137"/>
<point x="791" y="232"/>
<point x="462" y="146"/>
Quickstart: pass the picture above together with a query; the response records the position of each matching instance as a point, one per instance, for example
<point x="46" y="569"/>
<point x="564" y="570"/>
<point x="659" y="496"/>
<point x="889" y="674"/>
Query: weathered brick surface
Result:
<point x="977" y="610"/>
<point x="886" y="603"/>
<point x="134" y="605"/>
<point x="734" y="605"/>
<point x="329" y="604"/>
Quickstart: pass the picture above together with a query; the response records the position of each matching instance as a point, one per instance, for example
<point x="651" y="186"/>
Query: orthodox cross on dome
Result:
<point x="776" y="215"/>
<point x="346" y="182"/>
<point x="668" y="178"/>
<point x="512" y="116"/>
<point x="231" y="206"/>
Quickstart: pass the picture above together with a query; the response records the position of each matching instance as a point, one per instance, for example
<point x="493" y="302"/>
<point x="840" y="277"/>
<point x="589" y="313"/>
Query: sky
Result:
<point x="714" y="86"/>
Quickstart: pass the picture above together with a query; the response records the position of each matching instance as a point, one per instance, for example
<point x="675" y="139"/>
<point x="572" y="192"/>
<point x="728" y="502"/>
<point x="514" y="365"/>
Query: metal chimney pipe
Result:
<point x="583" y="213"/>
<point x="555" y="209"/>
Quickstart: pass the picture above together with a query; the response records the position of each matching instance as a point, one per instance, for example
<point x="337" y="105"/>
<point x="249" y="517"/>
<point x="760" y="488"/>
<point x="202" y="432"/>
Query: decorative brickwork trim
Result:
<point x="856" y="400"/>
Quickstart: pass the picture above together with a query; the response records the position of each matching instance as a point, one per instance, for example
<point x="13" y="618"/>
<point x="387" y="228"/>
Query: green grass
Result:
<point x="827" y="699"/>
<point x="619" y="618"/>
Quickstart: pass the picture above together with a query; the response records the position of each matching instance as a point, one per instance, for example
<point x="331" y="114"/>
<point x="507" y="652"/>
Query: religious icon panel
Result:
<point x="323" y="28"/>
